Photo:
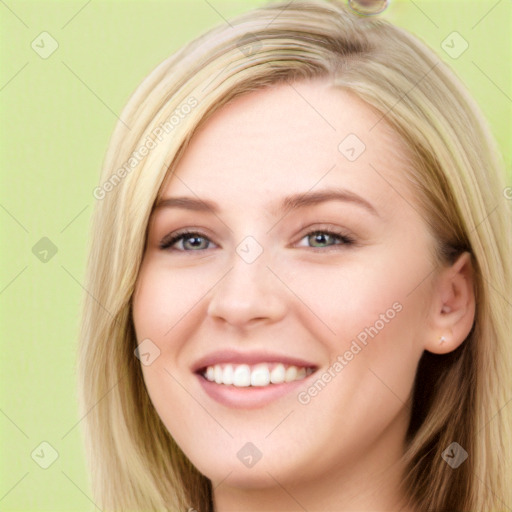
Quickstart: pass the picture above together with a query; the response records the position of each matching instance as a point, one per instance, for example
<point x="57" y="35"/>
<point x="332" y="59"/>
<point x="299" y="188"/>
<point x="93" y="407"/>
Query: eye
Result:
<point x="189" y="241"/>
<point x="193" y="241"/>
<point x="325" y="237"/>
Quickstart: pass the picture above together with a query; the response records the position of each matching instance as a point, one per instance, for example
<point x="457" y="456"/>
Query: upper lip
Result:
<point x="234" y="357"/>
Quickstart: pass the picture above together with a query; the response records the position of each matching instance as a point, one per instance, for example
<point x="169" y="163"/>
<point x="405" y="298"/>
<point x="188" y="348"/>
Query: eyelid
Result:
<point x="174" y="237"/>
<point x="346" y="237"/>
<point x="308" y="229"/>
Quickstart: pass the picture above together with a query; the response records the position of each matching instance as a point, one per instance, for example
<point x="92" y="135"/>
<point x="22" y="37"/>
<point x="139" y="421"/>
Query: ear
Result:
<point x="452" y="310"/>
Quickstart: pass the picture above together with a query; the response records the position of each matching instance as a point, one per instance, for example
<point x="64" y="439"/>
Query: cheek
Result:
<point x="164" y="297"/>
<point x="360" y="296"/>
<point x="371" y="319"/>
<point x="161" y="302"/>
<point x="372" y="366"/>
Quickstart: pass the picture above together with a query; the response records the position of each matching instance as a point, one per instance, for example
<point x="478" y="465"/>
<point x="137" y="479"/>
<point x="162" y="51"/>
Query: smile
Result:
<point x="259" y="375"/>
<point x="251" y="380"/>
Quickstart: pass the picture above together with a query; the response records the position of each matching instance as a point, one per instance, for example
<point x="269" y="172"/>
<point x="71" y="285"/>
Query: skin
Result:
<point x="303" y="297"/>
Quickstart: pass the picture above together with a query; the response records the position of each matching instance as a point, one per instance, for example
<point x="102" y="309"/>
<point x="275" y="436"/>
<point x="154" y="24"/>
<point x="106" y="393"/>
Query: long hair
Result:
<point x="457" y="175"/>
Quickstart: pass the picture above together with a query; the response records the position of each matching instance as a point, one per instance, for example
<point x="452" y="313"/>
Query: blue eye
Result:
<point x="192" y="241"/>
<point x="185" y="236"/>
<point x="323" y="237"/>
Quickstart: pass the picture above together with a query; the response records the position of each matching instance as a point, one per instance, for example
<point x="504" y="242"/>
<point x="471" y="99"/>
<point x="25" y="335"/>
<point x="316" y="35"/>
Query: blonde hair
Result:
<point x="460" y="397"/>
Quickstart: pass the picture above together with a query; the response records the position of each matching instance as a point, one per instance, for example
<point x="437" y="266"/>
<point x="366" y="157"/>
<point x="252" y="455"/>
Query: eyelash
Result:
<point x="169" y="240"/>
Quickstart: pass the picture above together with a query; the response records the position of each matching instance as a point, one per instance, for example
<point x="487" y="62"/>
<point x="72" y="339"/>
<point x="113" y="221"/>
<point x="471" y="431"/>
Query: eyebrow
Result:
<point x="292" y="202"/>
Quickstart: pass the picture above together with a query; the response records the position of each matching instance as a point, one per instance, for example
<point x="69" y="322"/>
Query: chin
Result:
<point x="256" y="478"/>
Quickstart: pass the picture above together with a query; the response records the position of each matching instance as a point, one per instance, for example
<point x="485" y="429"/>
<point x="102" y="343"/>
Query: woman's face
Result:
<point x="284" y="332"/>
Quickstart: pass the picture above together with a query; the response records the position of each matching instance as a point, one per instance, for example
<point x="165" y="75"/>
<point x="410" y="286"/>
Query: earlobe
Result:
<point x="443" y="343"/>
<point x="453" y="306"/>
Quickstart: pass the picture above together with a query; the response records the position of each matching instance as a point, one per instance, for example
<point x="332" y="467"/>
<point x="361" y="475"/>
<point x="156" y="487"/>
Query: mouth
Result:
<point x="258" y="375"/>
<point x="251" y="381"/>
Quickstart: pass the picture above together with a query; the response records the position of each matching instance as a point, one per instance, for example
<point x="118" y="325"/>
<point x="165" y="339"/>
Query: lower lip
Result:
<point x="251" y="397"/>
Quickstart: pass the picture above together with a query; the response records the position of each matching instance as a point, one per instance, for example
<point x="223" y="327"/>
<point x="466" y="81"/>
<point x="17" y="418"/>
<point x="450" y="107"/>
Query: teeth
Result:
<point x="263" y="374"/>
<point x="291" y="373"/>
<point x="242" y="375"/>
<point x="217" y="374"/>
<point x="277" y="374"/>
<point x="228" y="374"/>
<point x="260" y="375"/>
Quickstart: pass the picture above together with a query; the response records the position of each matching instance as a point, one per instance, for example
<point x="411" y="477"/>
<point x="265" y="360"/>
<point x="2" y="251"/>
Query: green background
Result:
<point x="57" y="116"/>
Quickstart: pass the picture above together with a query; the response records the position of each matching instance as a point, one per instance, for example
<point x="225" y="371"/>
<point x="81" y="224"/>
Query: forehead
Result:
<point x="291" y="137"/>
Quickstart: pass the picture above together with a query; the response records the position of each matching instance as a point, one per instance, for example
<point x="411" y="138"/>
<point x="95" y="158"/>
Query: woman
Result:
<point x="297" y="285"/>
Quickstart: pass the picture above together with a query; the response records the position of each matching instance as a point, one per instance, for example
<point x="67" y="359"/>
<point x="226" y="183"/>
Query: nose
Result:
<point x="248" y="294"/>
